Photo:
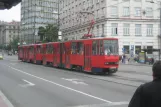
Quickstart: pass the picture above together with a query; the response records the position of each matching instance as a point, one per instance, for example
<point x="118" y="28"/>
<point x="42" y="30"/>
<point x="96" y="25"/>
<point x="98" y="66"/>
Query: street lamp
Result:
<point x="60" y="35"/>
<point x="160" y="30"/>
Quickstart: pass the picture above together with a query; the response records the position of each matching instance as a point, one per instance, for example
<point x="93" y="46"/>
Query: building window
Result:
<point x="149" y="30"/>
<point x="114" y="29"/>
<point x="149" y="12"/>
<point x="97" y="30"/>
<point x="97" y="13"/>
<point x="126" y="30"/>
<point x="114" y="11"/>
<point x="126" y="11"/>
<point x="126" y="49"/>
<point x="150" y="50"/>
<point x="92" y="2"/>
<point x="103" y="29"/>
<point x="137" y="29"/>
<point x="137" y="11"/>
<point x="137" y="49"/>
<point x="148" y="0"/>
<point x="138" y="0"/>
<point x="103" y="11"/>
<point x="158" y="29"/>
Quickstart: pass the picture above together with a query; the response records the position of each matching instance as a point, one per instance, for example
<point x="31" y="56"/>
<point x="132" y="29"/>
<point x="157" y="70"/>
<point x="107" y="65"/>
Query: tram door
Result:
<point x="87" y="57"/>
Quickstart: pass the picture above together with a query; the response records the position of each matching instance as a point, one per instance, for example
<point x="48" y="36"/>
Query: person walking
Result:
<point x="149" y="94"/>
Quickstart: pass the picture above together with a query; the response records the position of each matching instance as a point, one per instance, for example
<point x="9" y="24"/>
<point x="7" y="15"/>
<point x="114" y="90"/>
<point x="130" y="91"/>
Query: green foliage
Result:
<point x="14" y="44"/>
<point x="48" y="33"/>
<point x="1" y="46"/>
<point x="41" y="33"/>
<point x="8" y="47"/>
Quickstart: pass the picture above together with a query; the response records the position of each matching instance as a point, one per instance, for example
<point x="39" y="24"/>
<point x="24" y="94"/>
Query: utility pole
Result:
<point x="58" y="17"/>
<point x="34" y="22"/>
<point x="160" y="33"/>
<point x="59" y="32"/>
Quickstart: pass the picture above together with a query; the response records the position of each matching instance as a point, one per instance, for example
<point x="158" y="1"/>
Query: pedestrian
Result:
<point x="149" y="61"/>
<point x="149" y="94"/>
<point x="128" y="59"/>
<point x="122" y="59"/>
<point x="152" y="61"/>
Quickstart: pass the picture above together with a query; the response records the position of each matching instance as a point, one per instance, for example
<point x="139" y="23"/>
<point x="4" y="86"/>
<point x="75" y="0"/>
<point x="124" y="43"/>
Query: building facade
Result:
<point x="2" y="23"/>
<point x="9" y="31"/>
<point x="36" y="13"/>
<point x="134" y="22"/>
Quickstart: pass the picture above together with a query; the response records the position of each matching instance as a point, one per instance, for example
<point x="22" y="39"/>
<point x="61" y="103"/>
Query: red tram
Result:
<point x="96" y="55"/>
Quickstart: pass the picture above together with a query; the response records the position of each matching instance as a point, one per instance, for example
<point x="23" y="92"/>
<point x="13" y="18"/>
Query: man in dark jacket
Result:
<point x="149" y="94"/>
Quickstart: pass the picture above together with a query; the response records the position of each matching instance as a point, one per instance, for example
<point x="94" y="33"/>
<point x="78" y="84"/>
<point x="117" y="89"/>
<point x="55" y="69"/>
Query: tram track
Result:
<point x="129" y="79"/>
<point x="136" y="72"/>
<point x="109" y="78"/>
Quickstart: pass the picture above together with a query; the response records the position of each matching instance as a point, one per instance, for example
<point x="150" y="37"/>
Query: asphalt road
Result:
<point x="30" y="85"/>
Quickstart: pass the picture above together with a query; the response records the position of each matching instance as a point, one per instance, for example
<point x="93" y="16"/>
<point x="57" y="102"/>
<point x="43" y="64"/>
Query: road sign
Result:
<point x="132" y="46"/>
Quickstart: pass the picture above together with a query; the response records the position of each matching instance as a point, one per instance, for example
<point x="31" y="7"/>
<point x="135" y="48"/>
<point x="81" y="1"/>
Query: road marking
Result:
<point x="83" y="93"/>
<point x="6" y="100"/>
<point x="13" y="63"/>
<point x="75" y="81"/>
<point x="103" y="105"/>
<point x="10" y="60"/>
<point x="27" y="85"/>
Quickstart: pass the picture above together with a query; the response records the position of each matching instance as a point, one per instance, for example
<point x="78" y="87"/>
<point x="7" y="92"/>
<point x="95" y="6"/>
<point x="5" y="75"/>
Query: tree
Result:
<point x="1" y="46"/>
<point x="41" y="33"/>
<point x="49" y="33"/>
<point x="14" y="43"/>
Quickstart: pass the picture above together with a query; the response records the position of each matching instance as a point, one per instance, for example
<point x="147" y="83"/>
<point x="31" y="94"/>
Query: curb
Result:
<point x="6" y="101"/>
<point x="137" y="65"/>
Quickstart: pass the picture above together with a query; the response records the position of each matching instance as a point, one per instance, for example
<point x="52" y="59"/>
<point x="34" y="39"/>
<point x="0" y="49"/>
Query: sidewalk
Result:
<point x="4" y="102"/>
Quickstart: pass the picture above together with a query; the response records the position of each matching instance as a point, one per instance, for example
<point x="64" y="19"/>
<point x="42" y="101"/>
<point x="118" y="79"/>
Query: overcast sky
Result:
<point x="12" y="14"/>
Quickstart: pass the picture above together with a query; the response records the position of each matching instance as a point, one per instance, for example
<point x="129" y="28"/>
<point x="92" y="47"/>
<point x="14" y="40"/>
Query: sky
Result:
<point x="11" y="14"/>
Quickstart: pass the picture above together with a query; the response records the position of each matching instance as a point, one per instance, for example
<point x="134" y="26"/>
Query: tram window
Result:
<point x="31" y="49"/>
<point x="41" y="50"/>
<point x="80" y="47"/>
<point x="58" y="48"/>
<point x="74" y="48"/>
<point x="101" y="47"/>
<point x="49" y="49"/>
<point x="97" y="48"/>
<point x="38" y="49"/>
<point x="94" y="48"/>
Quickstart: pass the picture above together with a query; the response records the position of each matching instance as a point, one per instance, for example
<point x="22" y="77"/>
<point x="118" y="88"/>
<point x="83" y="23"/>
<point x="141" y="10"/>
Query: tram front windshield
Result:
<point x="110" y="47"/>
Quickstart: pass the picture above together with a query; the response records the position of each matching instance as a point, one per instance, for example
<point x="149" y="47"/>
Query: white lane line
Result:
<point x="83" y="93"/>
<point x="13" y="63"/>
<point x="103" y="105"/>
<point x="75" y="81"/>
<point x="28" y="84"/>
<point x="61" y="85"/>
<point x="6" y="100"/>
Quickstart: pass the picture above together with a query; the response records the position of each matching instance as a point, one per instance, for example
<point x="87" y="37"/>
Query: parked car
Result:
<point x="10" y="53"/>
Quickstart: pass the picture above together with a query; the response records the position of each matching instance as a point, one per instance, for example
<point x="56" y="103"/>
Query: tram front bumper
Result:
<point x="113" y="70"/>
